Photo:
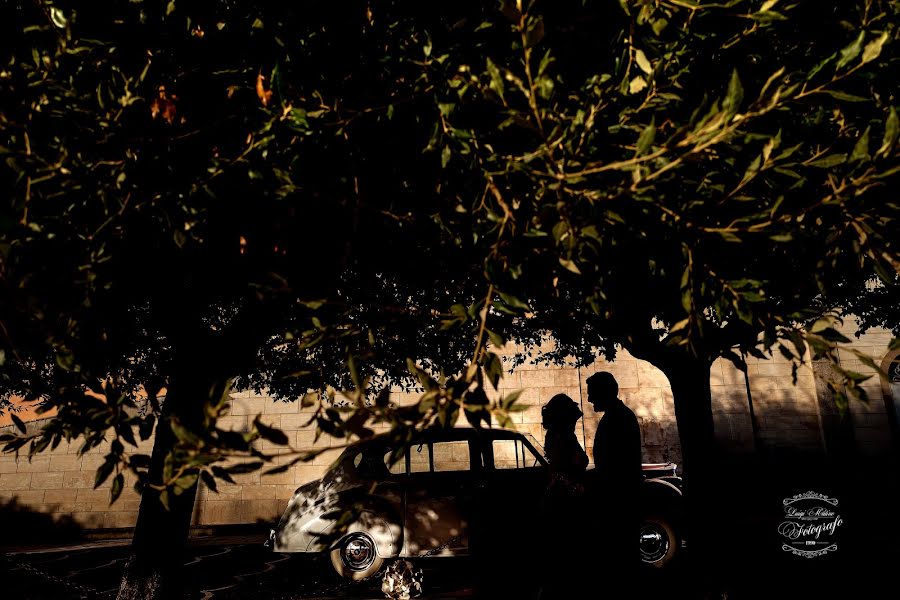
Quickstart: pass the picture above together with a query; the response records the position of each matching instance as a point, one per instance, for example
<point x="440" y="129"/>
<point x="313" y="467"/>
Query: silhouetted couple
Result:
<point x="591" y="518"/>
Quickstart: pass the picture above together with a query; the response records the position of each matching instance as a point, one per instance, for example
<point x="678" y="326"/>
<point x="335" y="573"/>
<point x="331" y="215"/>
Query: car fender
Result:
<point x="659" y="495"/>
<point x="314" y="530"/>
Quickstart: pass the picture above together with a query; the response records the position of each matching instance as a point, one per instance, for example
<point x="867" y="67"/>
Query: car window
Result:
<point x="370" y="465"/>
<point x="398" y="467"/>
<point x="451" y="456"/>
<point x="513" y="454"/>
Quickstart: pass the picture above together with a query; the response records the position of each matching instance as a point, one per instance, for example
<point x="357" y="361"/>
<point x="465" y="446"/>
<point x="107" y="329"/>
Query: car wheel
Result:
<point x="355" y="556"/>
<point x="659" y="543"/>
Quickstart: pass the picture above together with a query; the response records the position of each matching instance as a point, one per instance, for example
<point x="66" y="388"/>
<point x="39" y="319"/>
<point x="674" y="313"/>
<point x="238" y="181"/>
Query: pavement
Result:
<point x="239" y="567"/>
<point x="215" y="568"/>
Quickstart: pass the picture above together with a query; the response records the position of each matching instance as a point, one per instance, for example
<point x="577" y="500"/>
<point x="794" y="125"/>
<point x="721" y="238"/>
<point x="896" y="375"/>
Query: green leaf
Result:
<point x="861" y="149"/>
<point x="116" y="489"/>
<point x="496" y="78"/>
<point x="873" y="48"/>
<point x="648" y="135"/>
<point x="891" y="132"/>
<point x="734" y="96"/>
<point x="513" y="301"/>
<point x="659" y="25"/>
<point x="837" y="95"/>
<point x="829" y="161"/>
<point x="184" y="483"/>
<point x="493" y="368"/>
<point x="57" y="16"/>
<point x="569" y="265"/>
<point x="851" y="51"/>
<point x="183" y="433"/>
<point x="508" y="402"/>
<point x="496" y="339"/>
<point x="822" y="64"/>
<point x="535" y="32"/>
<point x="641" y="59"/>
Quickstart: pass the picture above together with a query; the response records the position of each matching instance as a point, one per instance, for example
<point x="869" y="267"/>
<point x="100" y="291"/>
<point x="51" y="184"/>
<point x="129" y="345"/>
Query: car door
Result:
<point x="440" y="494"/>
<point x="516" y="477"/>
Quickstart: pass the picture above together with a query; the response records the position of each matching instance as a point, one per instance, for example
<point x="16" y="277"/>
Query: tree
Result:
<point x="704" y="186"/>
<point x="188" y="189"/>
<point x="218" y="190"/>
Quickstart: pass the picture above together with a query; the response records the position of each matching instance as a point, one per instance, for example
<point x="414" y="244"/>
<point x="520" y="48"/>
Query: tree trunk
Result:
<point x="689" y="378"/>
<point x="160" y="535"/>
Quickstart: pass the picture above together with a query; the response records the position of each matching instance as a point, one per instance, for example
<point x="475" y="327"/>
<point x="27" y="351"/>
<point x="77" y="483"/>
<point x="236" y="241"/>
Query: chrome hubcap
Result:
<point x="358" y="552"/>
<point x="654" y="542"/>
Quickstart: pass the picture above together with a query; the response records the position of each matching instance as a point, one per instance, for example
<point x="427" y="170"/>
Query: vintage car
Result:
<point x="427" y="497"/>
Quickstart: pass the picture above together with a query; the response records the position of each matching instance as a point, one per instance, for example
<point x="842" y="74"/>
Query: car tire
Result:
<point x="356" y="557"/>
<point x="659" y="542"/>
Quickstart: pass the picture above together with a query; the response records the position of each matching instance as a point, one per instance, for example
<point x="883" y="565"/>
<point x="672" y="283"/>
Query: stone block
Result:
<point x="279" y="407"/>
<point x="78" y="479"/>
<point x="327" y="458"/>
<point x="68" y="462"/>
<point x="99" y="496"/>
<point x="243" y="406"/>
<point x="649" y="376"/>
<point x="774" y="369"/>
<point x="258" y="492"/>
<point x="7" y="464"/>
<point x="510" y="381"/>
<point x="294" y="422"/>
<point x="36" y="464"/>
<point x="285" y="492"/>
<point x="31" y="498"/>
<point x="91" y="463"/>
<point x="59" y="496"/>
<point x="246" y="478"/>
<point x="234" y="422"/>
<point x="729" y="399"/>
<point x="567" y="377"/>
<point x="731" y="375"/>
<point x="72" y="507"/>
<point x="15" y="481"/>
<point x="537" y="379"/>
<point x="253" y="511"/>
<point x="127" y="505"/>
<point x="307" y="473"/>
<point x="220" y="513"/>
<point x="118" y="519"/>
<point x="226" y="491"/>
<point x="288" y="476"/>
<point x="46" y="481"/>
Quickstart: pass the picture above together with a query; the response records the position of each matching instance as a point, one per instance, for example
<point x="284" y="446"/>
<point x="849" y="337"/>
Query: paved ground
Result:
<point x="227" y="568"/>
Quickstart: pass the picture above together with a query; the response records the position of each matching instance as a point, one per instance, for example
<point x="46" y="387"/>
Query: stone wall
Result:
<point x="787" y="415"/>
